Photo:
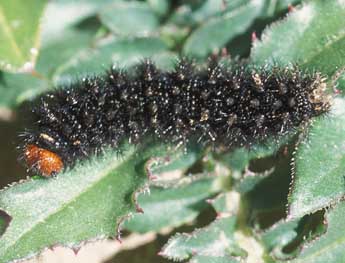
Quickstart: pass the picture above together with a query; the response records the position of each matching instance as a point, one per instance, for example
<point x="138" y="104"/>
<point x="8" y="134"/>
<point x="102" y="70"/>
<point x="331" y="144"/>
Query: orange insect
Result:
<point x="46" y="162"/>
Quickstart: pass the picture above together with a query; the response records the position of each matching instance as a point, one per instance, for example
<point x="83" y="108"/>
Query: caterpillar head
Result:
<point x="45" y="162"/>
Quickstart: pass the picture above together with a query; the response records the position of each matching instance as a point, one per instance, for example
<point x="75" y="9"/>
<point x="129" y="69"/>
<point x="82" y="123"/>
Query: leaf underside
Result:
<point x="85" y="203"/>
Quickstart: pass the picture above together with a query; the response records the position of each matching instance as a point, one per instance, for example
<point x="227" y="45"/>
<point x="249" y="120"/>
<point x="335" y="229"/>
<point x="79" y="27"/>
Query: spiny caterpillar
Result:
<point x="223" y="106"/>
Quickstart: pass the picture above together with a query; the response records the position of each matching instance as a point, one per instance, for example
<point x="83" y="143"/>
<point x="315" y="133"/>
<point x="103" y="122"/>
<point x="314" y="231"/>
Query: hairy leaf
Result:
<point x="312" y="36"/>
<point x="278" y="236"/>
<point x="215" y="240"/>
<point x="320" y="164"/>
<point x="85" y="203"/>
<point x="173" y="206"/>
<point x="329" y="247"/>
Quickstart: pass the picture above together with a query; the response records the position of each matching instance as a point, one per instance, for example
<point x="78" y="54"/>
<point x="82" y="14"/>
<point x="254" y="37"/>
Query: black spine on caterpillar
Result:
<point x="226" y="106"/>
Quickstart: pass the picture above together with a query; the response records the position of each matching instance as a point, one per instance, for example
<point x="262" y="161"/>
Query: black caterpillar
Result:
<point x="227" y="106"/>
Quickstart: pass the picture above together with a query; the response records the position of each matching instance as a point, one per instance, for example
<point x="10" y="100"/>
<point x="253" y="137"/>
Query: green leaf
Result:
<point x="161" y="7"/>
<point x="216" y="32"/>
<point x="85" y="203"/>
<point x="312" y="36"/>
<point x="280" y="235"/>
<point x="226" y="203"/>
<point x="62" y="15"/>
<point x="274" y="7"/>
<point x="209" y="259"/>
<point x="19" y="34"/>
<point x="221" y="203"/>
<point x="57" y="52"/>
<point x="172" y="206"/>
<point x="248" y="183"/>
<point x="165" y="60"/>
<point x="320" y="164"/>
<point x="193" y="152"/>
<point x="215" y="240"/>
<point x="192" y="14"/>
<point x="121" y="52"/>
<point x="16" y="88"/>
<point x="129" y="18"/>
<point x="240" y="158"/>
<point x="189" y="15"/>
<point x="340" y="84"/>
<point x="266" y="202"/>
<point x="329" y="247"/>
<point x="213" y="8"/>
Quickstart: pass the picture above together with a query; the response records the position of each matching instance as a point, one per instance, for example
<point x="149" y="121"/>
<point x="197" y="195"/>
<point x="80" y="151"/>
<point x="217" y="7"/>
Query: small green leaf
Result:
<point x="121" y="52"/>
<point x="216" y="32"/>
<point x="226" y="203"/>
<point x="19" y="34"/>
<point x="312" y="36"/>
<point x="193" y="14"/>
<point x="173" y="35"/>
<point x="215" y="240"/>
<point x="62" y="15"/>
<point x="84" y="203"/>
<point x="209" y="259"/>
<point x="16" y="88"/>
<point x="172" y="206"/>
<point x="320" y="164"/>
<point x="129" y="18"/>
<point x="57" y="52"/>
<point x="221" y="203"/>
<point x="193" y="152"/>
<point x="278" y="236"/>
<point x="248" y="183"/>
<point x="161" y="7"/>
<point x="165" y="60"/>
<point x="240" y="158"/>
<point x="273" y="7"/>
<point x="213" y="8"/>
<point x="329" y="247"/>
